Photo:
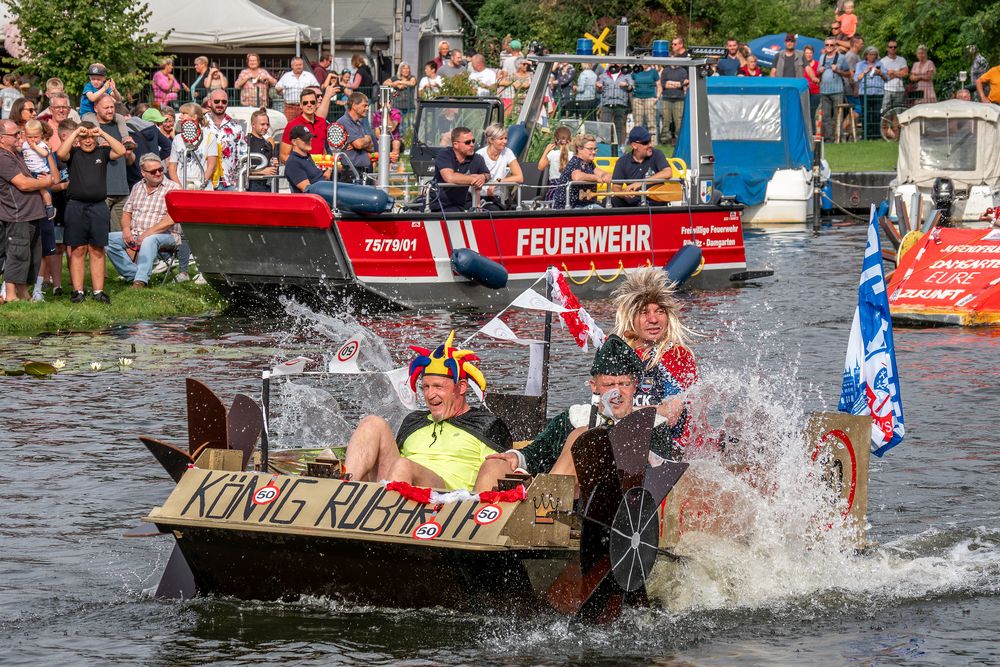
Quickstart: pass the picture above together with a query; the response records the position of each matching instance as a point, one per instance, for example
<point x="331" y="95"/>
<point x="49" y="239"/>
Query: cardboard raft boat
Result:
<point x="948" y="276"/>
<point x="281" y="534"/>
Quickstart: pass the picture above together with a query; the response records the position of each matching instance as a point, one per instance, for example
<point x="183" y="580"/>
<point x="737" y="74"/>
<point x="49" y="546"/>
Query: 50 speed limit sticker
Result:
<point x="266" y="494"/>
<point x="427" y="530"/>
<point x="488" y="514"/>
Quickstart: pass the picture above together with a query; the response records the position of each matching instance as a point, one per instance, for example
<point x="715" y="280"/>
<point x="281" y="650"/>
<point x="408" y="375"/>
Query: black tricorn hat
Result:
<point x="616" y="358"/>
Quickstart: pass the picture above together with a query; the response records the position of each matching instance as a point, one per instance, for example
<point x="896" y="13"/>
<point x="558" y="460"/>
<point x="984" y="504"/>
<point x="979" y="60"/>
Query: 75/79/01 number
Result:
<point x="390" y="245"/>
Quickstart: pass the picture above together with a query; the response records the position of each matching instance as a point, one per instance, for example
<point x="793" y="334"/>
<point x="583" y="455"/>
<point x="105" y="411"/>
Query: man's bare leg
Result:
<point x="372" y="450"/>
<point x="97" y="268"/>
<point x="564" y="464"/>
<point x="490" y="473"/>
<point x="405" y="470"/>
<point x="77" y="266"/>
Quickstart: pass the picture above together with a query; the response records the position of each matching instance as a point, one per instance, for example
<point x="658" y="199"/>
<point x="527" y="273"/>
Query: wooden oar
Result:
<point x="206" y="417"/>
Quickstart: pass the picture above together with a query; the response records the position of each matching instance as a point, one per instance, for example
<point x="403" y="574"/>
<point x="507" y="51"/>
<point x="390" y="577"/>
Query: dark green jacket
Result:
<point x="544" y="450"/>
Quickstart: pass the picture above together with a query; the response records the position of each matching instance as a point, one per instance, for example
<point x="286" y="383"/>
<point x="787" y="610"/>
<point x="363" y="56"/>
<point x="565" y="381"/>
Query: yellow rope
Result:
<point x="593" y="270"/>
<point x="700" y="267"/>
<point x="621" y="267"/>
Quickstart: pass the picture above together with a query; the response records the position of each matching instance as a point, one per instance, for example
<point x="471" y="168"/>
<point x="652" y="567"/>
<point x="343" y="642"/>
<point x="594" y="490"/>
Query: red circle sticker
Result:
<point x="347" y="351"/>
<point x="427" y="531"/>
<point x="488" y="514"/>
<point x="266" y="494"/>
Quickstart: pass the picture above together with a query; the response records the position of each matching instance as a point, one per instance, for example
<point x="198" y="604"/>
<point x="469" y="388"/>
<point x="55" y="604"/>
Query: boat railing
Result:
<point x="609" y="194"/>
<point x="646" y="191"/>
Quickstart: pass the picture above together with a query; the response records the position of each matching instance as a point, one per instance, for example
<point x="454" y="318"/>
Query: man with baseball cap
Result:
<point x="300" y="169"/>
<point x="641" y="163"/>
<point x="789" y="63"/>
<point x="441" y="447"/>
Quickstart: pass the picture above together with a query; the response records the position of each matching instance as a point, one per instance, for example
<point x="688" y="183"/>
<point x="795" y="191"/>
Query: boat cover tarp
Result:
<point x="759" y="125"/>
<point x="955" y="139"/>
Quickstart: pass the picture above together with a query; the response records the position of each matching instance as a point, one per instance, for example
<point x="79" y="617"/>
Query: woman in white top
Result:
<point x="200" y="161"/>
<point x="502" y="164"/>
<point x="556" y="155"/>
<point x="430" y="83"/>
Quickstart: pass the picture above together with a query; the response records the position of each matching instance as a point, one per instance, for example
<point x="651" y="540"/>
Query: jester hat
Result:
<point x="445" y="361"/>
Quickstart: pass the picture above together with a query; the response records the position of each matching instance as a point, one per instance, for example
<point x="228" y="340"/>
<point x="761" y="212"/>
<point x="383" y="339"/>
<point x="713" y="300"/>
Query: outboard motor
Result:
<point x="943" y="195"/>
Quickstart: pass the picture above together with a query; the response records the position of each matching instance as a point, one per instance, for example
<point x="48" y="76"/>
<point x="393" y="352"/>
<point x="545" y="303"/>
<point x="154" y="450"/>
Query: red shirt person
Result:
<point x="313" y="118"/>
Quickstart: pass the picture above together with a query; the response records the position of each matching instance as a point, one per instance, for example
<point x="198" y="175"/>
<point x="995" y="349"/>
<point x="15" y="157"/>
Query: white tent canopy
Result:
<point x="230" y="23"/>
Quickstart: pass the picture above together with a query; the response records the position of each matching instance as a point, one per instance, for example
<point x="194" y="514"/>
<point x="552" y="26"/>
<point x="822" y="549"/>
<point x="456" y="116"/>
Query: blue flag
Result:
<point x="871" y="382"/>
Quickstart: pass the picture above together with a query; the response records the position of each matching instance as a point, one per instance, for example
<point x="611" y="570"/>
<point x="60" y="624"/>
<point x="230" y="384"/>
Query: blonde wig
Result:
<point x="640" y="289"/>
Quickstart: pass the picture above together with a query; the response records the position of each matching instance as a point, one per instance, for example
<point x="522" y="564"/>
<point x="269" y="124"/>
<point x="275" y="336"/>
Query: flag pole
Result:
<point x="547" y="337"/>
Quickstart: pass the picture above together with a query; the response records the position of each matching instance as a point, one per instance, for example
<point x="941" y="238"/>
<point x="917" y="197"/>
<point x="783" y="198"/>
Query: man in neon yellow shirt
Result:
<point x="441" y="447"/>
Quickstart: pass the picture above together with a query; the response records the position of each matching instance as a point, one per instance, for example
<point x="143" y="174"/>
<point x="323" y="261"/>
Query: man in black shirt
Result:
<point x="643" y="162"/>
<point x="300" y="169"/>
<point x="459" y="166"/>
<point x="88" y="219"/>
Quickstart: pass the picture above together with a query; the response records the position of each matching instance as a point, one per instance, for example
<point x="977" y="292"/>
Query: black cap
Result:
<point x="300" y="132"/>
<point x="616" y="358"/>
<point x="96" y="70"/>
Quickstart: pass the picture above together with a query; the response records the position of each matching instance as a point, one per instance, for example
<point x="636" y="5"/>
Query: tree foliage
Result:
<point x="62" y="37"/>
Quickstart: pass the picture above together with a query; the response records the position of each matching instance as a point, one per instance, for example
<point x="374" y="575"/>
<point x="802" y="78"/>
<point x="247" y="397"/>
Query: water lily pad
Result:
<point x="39" y="368"/>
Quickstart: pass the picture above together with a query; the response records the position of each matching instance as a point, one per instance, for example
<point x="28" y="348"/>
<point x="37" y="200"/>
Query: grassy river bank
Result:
<point x="57" y="314"/>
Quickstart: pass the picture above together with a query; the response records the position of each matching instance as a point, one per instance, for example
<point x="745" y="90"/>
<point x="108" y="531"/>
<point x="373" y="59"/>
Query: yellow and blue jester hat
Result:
<point x="445" y="361"/>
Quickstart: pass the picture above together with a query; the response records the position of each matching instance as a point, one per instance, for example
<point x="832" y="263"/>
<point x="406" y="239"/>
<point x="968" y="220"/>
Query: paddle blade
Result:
<point x="630" y="444"/>
<point x="174" y="461"/>
<point x="177" y="580"/>
<point x="206" y="417"/>
<point x="244" y="426"/>
<point x="575" y="586"/>
<point x="660" y="480"/>
<point x="596" y="473"/>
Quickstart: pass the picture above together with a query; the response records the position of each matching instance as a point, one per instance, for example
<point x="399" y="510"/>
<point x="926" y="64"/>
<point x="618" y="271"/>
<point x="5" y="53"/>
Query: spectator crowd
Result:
<point x="87" y="179"/>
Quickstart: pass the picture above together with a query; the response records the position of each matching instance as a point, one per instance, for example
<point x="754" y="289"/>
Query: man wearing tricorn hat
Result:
<point x="614" y="377"/>
<point x="441" y="447"/>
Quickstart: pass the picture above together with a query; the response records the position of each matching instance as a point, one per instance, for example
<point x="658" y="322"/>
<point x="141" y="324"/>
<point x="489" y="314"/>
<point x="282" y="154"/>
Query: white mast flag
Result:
<point x="346" y="358"/>
<point x="532" y="300"/>
<point x="497" y="328"/>
<point x="399" y="378"/>
<point x="291" y="367"/>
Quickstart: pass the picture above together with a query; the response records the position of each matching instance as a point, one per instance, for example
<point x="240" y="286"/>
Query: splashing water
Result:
<point x="322" y="411"/>
<point x="783" y="540"/>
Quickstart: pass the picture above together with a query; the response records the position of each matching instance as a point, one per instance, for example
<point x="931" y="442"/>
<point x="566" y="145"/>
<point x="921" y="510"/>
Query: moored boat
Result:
<point x="403" y="252"/>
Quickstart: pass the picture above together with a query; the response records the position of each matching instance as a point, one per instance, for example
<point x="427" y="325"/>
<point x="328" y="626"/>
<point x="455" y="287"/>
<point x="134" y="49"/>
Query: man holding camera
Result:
<point x="146" y="225"/>
<point x="113" y="124"/>
<point x="87" y="217"/>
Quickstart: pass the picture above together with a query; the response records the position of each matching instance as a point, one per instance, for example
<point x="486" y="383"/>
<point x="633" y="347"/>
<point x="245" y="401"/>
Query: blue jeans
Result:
<point x="140" y="269"/>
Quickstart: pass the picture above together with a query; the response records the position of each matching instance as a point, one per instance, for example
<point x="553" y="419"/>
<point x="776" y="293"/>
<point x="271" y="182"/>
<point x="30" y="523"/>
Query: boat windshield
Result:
<point x="745" y="117"/>
<point x="436" y="123"/>
<point x="948" y="144"/>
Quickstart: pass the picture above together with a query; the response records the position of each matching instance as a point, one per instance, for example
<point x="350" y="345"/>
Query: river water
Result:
<point x="76" y="477"/>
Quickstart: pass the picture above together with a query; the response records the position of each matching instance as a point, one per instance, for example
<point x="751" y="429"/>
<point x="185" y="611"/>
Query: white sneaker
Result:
<point x="37" y="297"/>
<point x="160" y="267"/>
<point x="182" y="278"/>
<point x="200" y="280"/>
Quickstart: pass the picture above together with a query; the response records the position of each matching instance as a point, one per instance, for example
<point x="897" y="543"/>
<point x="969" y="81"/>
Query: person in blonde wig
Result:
<point x="647" y="316"/>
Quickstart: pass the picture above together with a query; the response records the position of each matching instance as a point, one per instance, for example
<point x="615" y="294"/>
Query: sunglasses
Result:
<point x="32" y="109"/>
<point x="641" y="143"/>
<point x="154" y="171"/>
<point x="467" y="143"/>
<point x="308" y="103"/>
<point x="220" y="101"/>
